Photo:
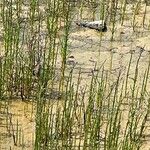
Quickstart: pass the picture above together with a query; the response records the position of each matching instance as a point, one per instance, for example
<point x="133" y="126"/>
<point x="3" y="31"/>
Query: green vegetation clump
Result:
<point x="110" y="112"/>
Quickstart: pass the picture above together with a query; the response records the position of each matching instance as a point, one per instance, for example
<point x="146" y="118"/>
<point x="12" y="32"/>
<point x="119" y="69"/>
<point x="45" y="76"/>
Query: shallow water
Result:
<point x="86" y="51"/>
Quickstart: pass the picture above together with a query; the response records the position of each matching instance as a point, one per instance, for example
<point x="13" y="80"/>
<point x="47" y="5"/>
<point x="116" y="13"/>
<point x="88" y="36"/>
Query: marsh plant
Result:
<point x="110" y="113"/>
